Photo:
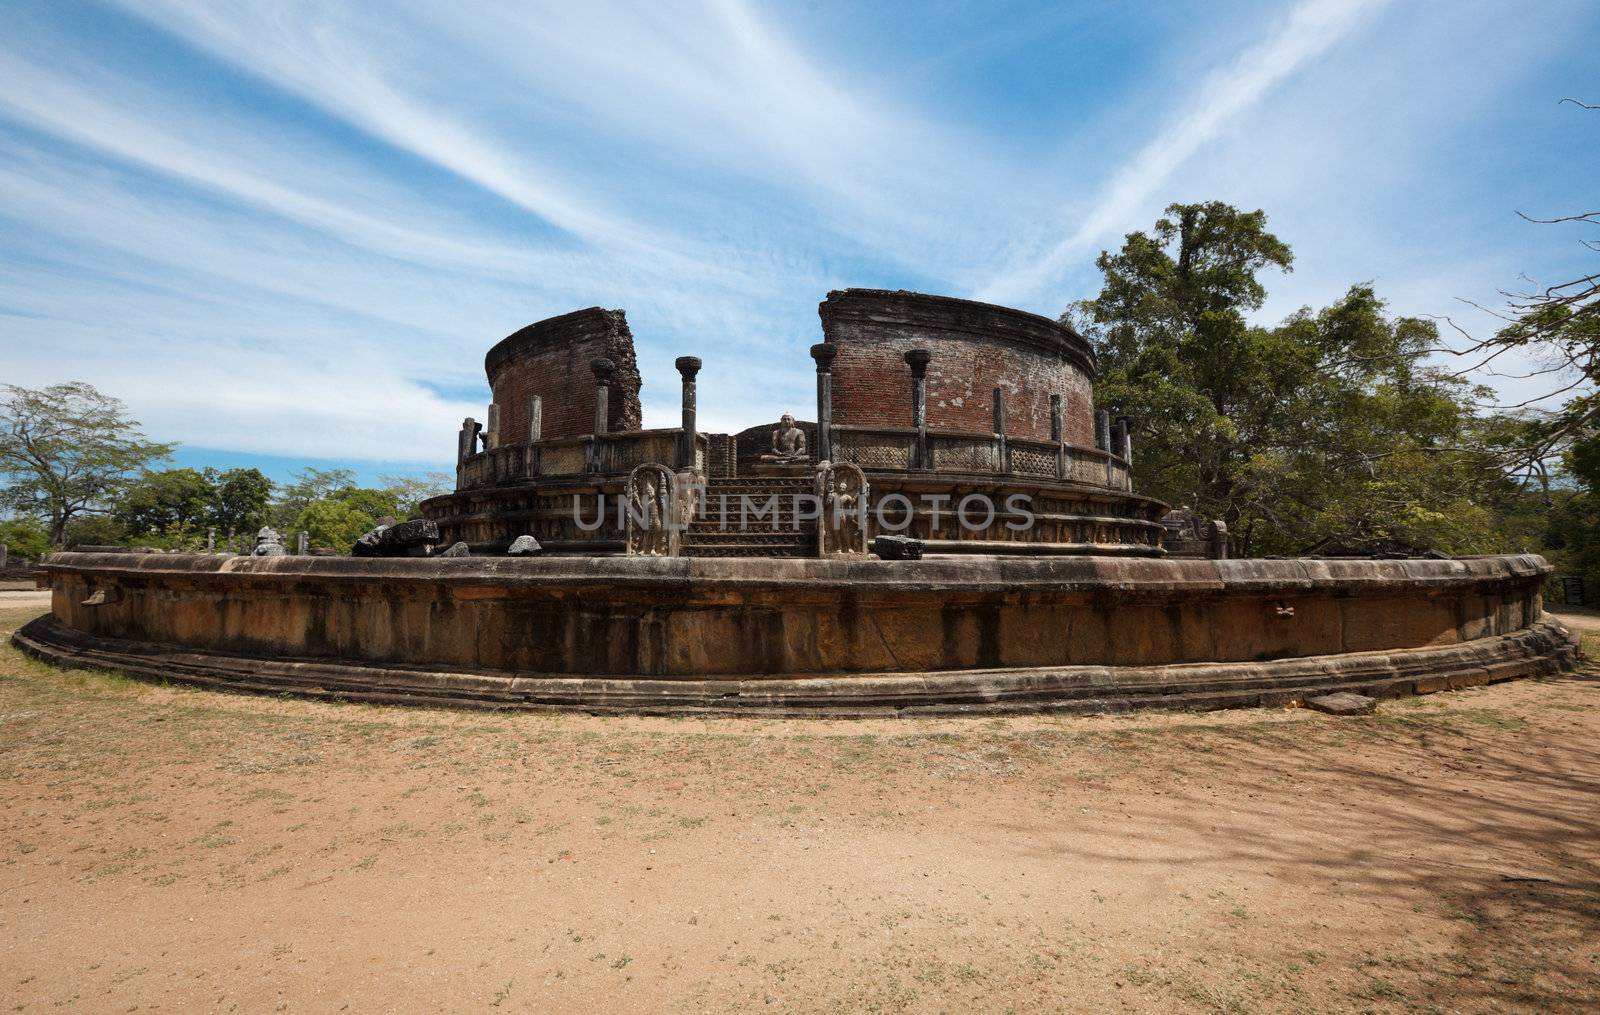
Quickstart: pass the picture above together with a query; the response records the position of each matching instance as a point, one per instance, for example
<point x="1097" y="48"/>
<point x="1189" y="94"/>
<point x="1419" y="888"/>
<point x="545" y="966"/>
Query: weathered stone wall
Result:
<point x="550" y="359"/>
<point x="678" y="617"/>
<point x="976" y="347"/>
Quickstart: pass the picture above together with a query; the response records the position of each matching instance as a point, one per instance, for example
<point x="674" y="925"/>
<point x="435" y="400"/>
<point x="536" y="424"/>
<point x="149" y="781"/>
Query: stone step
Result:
<point x="747" y="483"/>
<point x="763" y="538"/>
<point x="748" y="550"/>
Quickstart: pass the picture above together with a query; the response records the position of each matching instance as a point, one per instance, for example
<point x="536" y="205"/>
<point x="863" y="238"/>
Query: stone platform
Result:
<point x="804" y="637"/>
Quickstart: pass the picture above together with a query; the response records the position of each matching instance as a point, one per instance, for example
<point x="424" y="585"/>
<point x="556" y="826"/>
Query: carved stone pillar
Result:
<point x="303" y="546"/>
<point x="1055" y="435"/>
<point x="1122" y="441"/>
<point x="688" y="368"/>
<point x="824" y="353"/>
<point x="918" y="359"/>
<point x="491" y="430"/>
<point x="1102" y="430"/>
<point x="535" y="419"/>
<point x="603" y="369"/>
<point x="1000" y="428"/>
<point x="466" y="445"/>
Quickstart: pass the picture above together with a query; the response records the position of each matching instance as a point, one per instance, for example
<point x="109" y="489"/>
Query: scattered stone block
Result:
<point x="404" y="535"/>
<point x="369" y="544"/>
<point x="414" y="538"/>
<point x="457" y="550"/>
<point x="897" y="548"/>
<point x="1343" y="703"/>
<point x="524" y="546"/>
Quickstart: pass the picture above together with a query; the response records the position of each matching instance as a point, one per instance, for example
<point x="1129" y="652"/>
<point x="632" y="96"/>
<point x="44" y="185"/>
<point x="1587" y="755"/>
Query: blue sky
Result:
<point x="289" y="231"/>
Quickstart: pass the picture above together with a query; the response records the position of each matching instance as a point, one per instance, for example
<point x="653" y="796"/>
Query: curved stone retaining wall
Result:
<point x="793" y="636"/>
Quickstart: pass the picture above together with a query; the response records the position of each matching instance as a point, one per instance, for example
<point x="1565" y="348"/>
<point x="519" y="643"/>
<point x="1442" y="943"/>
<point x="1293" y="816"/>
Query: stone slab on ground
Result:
<point x="1343" y="703"/>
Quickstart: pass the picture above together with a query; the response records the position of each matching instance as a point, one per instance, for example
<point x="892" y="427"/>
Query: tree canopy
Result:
<point x="174" y="507"/>
<point x="67" y="450"/>
<point x="1330" y="424"/>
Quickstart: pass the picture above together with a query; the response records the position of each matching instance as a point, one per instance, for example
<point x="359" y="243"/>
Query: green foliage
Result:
<point x="336" y="520"/>
<point x="410" y="491"/>
<point x="1327" y="425"/>
<point x="1572" y="536"/>
<point x="309" y="487"/>
<point x="66" y="451"/>
<point x="173" y="499"/>
<point x="25" y="538"/>
<point x="95" y="530"/>
<point x="172" y="509"/>
<point x="240" y="502"/>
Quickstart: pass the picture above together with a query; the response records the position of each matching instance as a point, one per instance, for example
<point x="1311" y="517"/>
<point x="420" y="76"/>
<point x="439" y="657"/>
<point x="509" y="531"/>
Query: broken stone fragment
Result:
<point x="897" y="548"/>
<point x="404" y="535"/>
<point x="524" y="546"/>
<point x="370" y="544"/>
<point x="402" y="539"/>
<point x="456" y="550"/>
<point x="1343" y="703"/>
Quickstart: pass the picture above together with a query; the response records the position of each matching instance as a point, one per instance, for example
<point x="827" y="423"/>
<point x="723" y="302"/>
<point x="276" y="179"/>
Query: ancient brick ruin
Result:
<point x="934" y="399"/>
<point x="1081" y="603"/>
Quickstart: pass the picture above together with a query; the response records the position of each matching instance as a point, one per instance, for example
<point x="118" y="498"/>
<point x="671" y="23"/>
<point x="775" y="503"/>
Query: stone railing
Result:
<point x="609" y="454"/>
<point x="888" y="449"/>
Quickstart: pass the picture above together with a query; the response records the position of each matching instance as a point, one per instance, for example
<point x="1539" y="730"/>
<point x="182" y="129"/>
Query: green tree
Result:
<point x="1328" y="424"/>
<point x="410" y="491"/>
<point x="309" y="486"/>
<point x="337" y="521"/>
<point x="171" y="501"/>
<point x="241" y="501"/>
<point x="25" y="537"/>
<point x="66" y="451"/>
<point x="1572" y="535"/>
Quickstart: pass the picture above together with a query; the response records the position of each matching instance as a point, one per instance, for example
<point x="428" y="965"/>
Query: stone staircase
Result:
<point x="717" y="531"/>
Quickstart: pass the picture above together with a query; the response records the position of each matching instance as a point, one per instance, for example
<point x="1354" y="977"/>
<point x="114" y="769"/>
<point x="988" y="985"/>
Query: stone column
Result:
<point x="688" y="368"/>
<point x="535" y="419"/>
<point x="491" y="431"/>
<point x="918" y="359"/>
<point x="466" y="444"/>
<point x="824" y="353"/>
<point x="1123" y="441"/>
<point x="1102" y="430"/>
<point x="211" y="539"/>
<point x="603" y="369"/>
<point x="5" y="554"/>
<point x="1055" y="435"/>
<point x="1000" y="428"/>
<point x="303" y="543"/>
<point x="467" y="440"/>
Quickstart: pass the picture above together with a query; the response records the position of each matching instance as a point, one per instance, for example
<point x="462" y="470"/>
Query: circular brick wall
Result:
<point x="976" y="347"/>
<point x="550" y="360"/>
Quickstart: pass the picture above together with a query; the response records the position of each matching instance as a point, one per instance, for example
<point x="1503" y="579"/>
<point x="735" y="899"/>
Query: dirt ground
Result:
<point x="164" y="849"/>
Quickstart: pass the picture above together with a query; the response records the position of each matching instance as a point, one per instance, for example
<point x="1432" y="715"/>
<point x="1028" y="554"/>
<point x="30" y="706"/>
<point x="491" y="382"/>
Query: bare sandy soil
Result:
<point x="176" y="850"/>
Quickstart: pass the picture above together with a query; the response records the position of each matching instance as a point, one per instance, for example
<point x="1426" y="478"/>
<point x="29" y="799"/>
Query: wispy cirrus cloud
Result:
<point x="295" y="227"/>
<point x="1308" y="30"/>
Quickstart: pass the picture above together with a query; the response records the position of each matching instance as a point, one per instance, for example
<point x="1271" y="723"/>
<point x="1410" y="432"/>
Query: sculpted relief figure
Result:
<point x="843" y="488"/>
<point x="788" y="442"/>
<point x="650" y="511"/>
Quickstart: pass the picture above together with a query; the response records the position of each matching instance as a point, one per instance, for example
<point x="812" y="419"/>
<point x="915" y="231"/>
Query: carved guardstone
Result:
<point x="842" y="492"/>
<point x="650" y="512"/>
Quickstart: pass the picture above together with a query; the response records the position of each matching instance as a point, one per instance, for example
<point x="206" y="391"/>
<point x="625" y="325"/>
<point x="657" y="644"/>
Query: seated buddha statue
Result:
<point x="788" y="442"/>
